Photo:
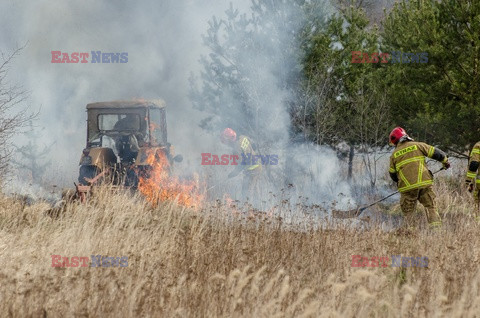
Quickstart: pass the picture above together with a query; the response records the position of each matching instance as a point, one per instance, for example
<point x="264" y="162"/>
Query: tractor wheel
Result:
<point x="131" y="178"/>
<point x="87" y="172"/>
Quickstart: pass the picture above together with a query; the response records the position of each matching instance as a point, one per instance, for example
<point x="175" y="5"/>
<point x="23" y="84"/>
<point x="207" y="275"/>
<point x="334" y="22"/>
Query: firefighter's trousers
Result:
<point x="250" y="186"/>
<point x="426" y="196"/>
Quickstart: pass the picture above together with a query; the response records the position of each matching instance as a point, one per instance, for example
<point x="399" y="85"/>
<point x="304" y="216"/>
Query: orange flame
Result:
<point x="159" y="185"/>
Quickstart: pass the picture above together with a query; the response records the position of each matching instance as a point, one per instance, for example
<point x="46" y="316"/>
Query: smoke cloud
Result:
<point x="163" y="40"/>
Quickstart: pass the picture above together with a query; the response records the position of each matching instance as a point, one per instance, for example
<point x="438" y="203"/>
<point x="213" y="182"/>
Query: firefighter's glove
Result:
<point x="469" y="187"/>
<point x="446" y="165"/>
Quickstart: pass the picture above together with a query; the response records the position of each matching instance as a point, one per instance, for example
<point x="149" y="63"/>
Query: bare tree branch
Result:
<point x="13" y="115"/>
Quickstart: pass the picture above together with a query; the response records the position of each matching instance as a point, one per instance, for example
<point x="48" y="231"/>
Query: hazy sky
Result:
<point x="163" y="41"/>
<point x="164" y="44"/>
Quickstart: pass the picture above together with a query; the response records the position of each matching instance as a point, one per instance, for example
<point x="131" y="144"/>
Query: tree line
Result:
<point x="429" y="84"/>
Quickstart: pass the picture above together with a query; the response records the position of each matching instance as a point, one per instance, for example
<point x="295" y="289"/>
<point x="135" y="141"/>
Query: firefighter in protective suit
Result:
<point x="473" y="179"/>
<point x="408" y="168"/>
<point x="242" y="146"/>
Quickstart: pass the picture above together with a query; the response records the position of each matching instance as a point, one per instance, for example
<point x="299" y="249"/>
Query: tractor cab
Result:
<point x="111" y="122"/>
<point x="121" y="135"/>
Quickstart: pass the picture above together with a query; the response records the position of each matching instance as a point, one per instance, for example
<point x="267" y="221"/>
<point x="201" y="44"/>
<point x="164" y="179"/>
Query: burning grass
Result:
<point x="160" y="186"/>
<point x="215" y="263"/>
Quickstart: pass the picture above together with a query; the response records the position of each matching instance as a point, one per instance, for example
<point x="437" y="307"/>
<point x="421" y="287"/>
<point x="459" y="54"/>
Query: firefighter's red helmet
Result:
<point x="228" y="135"/>
<point x="396" y="134"/>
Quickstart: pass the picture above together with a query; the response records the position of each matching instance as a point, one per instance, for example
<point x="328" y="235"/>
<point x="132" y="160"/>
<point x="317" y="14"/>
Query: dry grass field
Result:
<point x="216" y="263"/>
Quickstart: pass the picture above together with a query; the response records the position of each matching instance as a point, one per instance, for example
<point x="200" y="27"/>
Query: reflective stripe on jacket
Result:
<point x="473" y="163"/>
<point x="246" y="148"/>
<point x="408" y="162"/>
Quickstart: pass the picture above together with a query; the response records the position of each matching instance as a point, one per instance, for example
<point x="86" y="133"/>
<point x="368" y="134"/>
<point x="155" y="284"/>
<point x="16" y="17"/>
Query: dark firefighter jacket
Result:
<point x="408" y="167"/>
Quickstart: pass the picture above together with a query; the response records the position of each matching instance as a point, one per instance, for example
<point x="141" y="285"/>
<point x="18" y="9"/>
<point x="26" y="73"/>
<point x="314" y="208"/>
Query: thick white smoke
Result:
<point x="164" y="44"/>
<point x="254" y="59"/>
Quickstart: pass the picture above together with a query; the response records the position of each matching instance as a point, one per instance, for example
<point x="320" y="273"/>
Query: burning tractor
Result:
<point x="125" y="139"/>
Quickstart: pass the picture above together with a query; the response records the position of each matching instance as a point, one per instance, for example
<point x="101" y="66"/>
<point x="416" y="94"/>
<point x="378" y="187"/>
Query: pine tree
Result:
<point x="253" y="69"/>
<point x="348" y="104"/>
<point x="439" y="101"/>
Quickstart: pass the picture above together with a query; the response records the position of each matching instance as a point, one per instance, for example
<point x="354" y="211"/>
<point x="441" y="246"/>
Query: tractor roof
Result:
<point x="136" y="103"/>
